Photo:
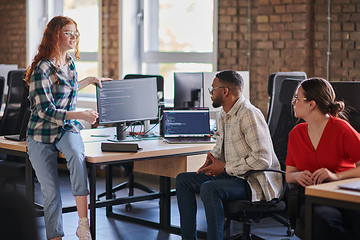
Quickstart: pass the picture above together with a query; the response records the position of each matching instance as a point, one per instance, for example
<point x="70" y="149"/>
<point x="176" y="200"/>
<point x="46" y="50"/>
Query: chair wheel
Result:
<point x="128" y="207"/>
<point x="290" y="232"/>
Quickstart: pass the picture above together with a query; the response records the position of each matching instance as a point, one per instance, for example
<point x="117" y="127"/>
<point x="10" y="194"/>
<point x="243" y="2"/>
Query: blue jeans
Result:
<point x="213" y="190"/>
<point x="43" y="157"/>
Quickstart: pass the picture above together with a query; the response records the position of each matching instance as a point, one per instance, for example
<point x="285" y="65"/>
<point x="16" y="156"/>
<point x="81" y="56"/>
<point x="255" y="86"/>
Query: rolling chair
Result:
<point x="247" y="211"/>
<point x="129" y="167"/>
<point x="12" y="169"/>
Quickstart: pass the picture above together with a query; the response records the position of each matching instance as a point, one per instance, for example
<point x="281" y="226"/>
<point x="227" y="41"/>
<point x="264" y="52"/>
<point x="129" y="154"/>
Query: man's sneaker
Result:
<point x="83" y="230"/>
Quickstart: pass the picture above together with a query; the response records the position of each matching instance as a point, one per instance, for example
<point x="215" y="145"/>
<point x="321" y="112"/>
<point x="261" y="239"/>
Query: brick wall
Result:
<point x="110" y="53"/>
<point x="13" y="32"/>
<point x="289" y="35"/>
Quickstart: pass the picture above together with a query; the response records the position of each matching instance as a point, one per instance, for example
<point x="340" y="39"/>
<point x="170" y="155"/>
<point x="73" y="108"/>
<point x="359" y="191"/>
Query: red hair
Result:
<point x="49" y="47"/>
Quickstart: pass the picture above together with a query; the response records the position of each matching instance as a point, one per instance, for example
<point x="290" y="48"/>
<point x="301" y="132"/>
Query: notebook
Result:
<point x="22" y="135"/>
<point x="350" y="186"/>
<point x="186" y="125"/>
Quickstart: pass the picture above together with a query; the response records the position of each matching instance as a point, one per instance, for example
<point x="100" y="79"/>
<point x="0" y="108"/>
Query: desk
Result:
<point x="329" y="194"/>
<point x="169" y="159"/>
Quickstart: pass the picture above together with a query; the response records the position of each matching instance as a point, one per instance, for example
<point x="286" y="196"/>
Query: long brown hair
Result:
<point x="49" y="47"/>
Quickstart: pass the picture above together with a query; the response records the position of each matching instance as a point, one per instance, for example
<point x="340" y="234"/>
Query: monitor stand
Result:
<point x="146" y="130"/>
<point x="120" y="131"/>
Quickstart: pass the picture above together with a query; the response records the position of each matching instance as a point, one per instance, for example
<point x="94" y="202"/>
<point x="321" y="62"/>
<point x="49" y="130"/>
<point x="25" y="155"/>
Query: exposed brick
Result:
<point x="295" y="26"/>
<point x="264" y="27"/>
<point x="354" y="35"/>
<point x="231" y="44"/>
<point x="275" y="18"/>
<point x="264" y="45"/>
<point x="319" y="35"/>
<point x="347" y="63"/>
<point x="348" y="26"/>
<point x="231" y="11"/>
<point x="262" y="19"/>
<point x="274" y="35"/>
<point x="279" y="44"/>
<point x="286" y="18"/>
<point x="336" y="45"/>
<point x="349" y="8"/>
<point x="279" y="27"/>
<point x="274" y="53"/>
<point x="348" y="44"/>
<point x="354" y="73"/>
<point x="296" y="8"/>
<point x="354" y="55"/>
<point x="291" y="44"/>
<point x="355" y="17"/>
<point x="280" y="9"/>
<point x="260" y="36"/>
<point x="286" y="35"/>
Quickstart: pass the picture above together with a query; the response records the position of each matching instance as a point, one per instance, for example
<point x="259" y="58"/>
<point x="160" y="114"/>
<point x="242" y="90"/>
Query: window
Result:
<point x="86" y="15"/>
<point x="172" y="36"/>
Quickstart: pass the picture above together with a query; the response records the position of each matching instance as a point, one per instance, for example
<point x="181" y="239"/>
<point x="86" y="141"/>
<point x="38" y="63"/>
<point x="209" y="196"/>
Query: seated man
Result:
<point x="243" y="143"/>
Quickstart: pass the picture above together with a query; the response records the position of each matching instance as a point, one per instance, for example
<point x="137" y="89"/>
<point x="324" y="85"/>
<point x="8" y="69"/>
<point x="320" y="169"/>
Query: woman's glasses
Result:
<point x="296" y="99"/>
<point x="72" y="34"/>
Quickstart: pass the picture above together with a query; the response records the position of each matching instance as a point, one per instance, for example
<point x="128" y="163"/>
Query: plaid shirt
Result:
<point x="244" y="143"/>
<point x="50" y="100"/>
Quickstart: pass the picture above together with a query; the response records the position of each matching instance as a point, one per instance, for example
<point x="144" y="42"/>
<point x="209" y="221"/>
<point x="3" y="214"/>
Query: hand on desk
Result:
<point x="212" y="166"/>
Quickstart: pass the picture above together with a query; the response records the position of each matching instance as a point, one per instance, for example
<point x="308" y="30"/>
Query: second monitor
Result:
<point x="121" y="101"/>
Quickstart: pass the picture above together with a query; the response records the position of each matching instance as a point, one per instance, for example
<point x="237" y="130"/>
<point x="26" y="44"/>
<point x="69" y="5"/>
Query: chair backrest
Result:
<point x="2" y="86"/>
<point x="274" y="85"/>
<point x="159" y="81"/>
<point x="16" y="101"/>
<point x="349" y="93"/>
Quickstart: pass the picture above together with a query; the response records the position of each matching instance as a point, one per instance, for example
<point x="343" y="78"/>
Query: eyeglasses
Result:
<point x="296" y="99"/>
<point x="72" y="34"/>
<point x="211" y="89"/>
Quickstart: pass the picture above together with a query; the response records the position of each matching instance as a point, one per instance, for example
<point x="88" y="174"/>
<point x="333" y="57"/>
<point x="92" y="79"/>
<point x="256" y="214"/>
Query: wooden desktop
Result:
<point x="329" y="194"/>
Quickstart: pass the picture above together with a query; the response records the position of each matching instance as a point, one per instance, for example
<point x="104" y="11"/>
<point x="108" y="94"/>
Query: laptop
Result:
<point x="350" y="186"/>
<point x="186" y="125"/>
<point x="23" y="129"/>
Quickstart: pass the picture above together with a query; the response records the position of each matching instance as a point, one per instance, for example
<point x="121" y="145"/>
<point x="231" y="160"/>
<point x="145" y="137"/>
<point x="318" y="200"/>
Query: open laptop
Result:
<point x="350" y="186"/>
<point x="23" y="129"/>
<point x="186" y="125"/>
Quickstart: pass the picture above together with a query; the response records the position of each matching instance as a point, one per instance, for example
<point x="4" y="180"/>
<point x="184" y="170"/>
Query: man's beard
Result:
<point x="217" y="102"/>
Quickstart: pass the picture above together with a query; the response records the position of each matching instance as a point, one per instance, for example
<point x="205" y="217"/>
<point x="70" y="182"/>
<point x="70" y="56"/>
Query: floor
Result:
<point x="110" y="229"/>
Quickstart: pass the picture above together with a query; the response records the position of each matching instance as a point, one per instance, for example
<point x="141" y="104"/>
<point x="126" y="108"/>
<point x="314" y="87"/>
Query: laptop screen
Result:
<point x="186" y="122"/>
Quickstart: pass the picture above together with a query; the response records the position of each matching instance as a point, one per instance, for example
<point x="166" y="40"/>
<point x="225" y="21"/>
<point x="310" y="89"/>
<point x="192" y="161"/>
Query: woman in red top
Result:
<point x="324" y="148"/>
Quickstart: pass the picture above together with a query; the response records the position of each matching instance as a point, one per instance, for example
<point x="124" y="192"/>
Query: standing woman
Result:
<point x="52" y="79"/>
<point x="324" y="148"/>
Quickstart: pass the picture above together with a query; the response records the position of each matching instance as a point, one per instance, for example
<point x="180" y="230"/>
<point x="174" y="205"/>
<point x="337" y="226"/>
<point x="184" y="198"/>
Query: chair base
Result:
<point x="245" y="237"/>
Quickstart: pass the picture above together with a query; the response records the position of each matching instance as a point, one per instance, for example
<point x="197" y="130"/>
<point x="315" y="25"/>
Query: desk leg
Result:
<point x="165" y="202"/>
<point x="108" y="187"/>
<point x="29" y="181"/>
<point x="308" y="217"/>
<point x="92" y="178"/>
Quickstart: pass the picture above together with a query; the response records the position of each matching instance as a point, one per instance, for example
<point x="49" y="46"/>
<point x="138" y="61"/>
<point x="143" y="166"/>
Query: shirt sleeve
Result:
<point x="42" y="95"/>
<point x="257" y="142"/>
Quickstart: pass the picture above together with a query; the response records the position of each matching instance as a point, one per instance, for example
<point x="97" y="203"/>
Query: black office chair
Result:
<point x="12" y="168"/>
<point x="129" y="167"/>
<point x="247" y="211"/>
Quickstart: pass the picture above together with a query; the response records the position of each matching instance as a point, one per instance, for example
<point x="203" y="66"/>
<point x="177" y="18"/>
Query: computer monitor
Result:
<point x="188" y="87"/>
<point x="121" y="101"/>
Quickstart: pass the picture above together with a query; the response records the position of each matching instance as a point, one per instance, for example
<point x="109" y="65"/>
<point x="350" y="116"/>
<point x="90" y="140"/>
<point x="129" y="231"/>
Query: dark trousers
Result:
<point x="331" y="222"/>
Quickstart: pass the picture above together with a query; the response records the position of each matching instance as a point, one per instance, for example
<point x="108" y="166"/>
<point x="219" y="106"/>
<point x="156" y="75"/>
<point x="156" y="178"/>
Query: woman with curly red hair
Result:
<point x="53" y="88"/>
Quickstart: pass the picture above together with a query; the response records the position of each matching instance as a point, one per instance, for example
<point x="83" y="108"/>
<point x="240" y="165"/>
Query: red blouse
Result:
<point x="338" y="149"/>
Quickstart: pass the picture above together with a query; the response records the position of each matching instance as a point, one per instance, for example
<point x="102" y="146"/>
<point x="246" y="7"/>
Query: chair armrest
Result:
<point x="284" y="187"/>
